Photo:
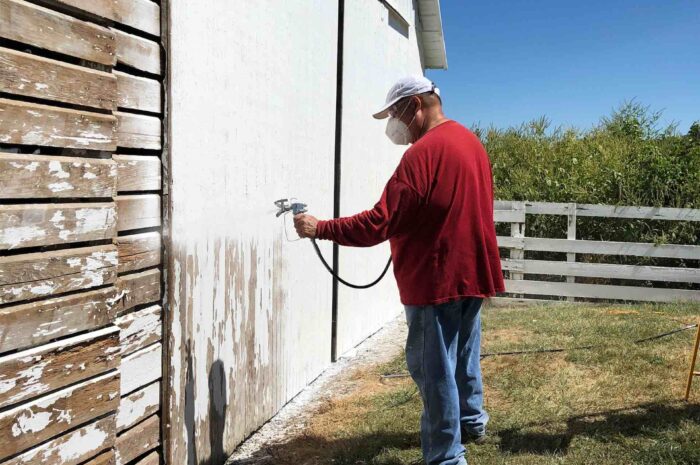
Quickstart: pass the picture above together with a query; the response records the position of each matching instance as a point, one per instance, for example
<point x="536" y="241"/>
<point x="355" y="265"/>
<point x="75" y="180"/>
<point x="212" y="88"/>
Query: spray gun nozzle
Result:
<point x="284" y="206"/>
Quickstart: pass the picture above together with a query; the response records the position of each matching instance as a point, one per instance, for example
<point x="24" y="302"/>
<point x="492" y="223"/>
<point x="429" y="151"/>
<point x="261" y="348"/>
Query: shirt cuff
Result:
<point x="322" y="230"/>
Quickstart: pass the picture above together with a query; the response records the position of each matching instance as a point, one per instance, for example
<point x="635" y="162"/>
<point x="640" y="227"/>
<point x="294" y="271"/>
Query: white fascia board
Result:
<point x="433" y="40"/>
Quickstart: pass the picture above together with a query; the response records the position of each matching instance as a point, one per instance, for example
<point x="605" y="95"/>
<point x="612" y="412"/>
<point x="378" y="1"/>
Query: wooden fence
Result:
<point x="519" y="267"/>
<point x="80" y="236"/>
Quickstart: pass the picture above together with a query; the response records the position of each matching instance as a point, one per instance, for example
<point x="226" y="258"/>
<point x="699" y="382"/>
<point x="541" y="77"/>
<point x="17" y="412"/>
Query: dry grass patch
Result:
<point x="614" y="404"/>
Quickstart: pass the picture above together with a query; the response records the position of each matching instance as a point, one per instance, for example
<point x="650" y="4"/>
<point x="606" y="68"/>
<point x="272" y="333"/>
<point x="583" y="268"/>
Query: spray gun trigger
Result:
<point x="298" y="208"/>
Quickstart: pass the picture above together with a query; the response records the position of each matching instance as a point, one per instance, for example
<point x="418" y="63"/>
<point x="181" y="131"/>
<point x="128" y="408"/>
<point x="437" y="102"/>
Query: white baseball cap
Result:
<point x="405" y="87"/>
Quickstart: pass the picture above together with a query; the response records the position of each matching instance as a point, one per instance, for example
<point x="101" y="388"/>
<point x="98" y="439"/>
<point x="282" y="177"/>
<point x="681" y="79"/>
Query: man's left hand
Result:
<point x="305" y="225"/>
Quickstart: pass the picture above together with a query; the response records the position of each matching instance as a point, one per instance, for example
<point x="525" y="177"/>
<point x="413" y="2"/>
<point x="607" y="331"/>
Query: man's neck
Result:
<point x="434" y="118"/>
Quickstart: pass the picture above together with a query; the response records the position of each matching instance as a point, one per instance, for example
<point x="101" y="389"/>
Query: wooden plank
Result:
<point x="138" y="211"/>
<point x="138" y="440"/>
<point x="141" y="368"/>
<point x="138" y="251"/>
<point x="72" y="448"/>
<point x="27" y="325"/>
<point x="33" y="124"/>
<point x="137" y="52"/>
<point x="48" y="176"/>
<point x="29" y="75"/>
<point x="33" y="372"/>
<point x="139" y="329"/>
<point x="138" y="131"/>
<point x="614" y="211"/>
<point x="546" y="208"/>
<point x="510" y="302"/>
<point x="138" y="173"/>
<point x="517" y="231"/>
<point x="138" y="288"/>
<point x="30" y="225"/>
<point x="637" y="249"/>
<point x="138" y="93"/>
<point x="40" y="419"/>
<point x="41" y="274"/>
<point x="601" y="291"/>
<point x="509" y="216"/>
<point x="139" y="14"/>
<point x="44" y="28"/>
<point x="151" y="459"/>
<point x="604" y="270"/>
<point x="137" y="406"/>
<point x="106" y="458"/>
<point x="571" y="235"/>
<point x="502" y="205"/>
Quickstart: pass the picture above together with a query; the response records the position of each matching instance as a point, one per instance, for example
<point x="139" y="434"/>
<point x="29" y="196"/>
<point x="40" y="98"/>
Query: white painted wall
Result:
<point x="375" y="56"/>
<point x="252" y="120"/>
<point x="253" y="111"/>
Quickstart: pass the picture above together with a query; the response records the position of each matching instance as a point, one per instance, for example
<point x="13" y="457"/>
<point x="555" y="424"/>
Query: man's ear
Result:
<point x="417" y="102"/>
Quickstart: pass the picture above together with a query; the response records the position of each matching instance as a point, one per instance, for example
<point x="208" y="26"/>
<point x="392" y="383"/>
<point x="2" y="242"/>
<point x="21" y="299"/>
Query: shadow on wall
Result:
<point x="217" y="413"/>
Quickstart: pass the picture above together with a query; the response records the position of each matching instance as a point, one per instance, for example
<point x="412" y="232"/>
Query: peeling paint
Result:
<point x="42" y="289"/>
<point x="17" y="235"/>
<point x="76" y="445"/>
<point x="56" y="169"/>
<point x="60" y="186"/>
<point x="92" y="219"/>
<point x="30" y="422"/>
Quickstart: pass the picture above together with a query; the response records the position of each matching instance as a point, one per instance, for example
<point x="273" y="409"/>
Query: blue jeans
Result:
<point x="442" y="354"/>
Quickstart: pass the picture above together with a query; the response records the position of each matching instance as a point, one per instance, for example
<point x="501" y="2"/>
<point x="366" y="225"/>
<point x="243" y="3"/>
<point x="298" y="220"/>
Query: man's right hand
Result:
<point x="305" y="225"/>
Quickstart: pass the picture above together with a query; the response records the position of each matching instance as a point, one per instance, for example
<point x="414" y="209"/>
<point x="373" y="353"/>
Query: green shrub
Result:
<point x="627" y="159"/>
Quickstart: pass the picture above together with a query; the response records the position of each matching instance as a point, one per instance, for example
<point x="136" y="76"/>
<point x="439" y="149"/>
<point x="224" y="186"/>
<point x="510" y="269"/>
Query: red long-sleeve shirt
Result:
<point x="437" y="213"/>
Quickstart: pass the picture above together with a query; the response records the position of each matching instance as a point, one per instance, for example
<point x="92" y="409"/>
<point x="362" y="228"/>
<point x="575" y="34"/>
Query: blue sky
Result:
<point x="573" y="61"/>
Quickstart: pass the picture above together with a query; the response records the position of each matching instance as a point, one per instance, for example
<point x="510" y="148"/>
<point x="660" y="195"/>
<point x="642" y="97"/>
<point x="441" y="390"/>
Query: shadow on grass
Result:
<point x="308" y="450"/>
<point x="645" y="420"/>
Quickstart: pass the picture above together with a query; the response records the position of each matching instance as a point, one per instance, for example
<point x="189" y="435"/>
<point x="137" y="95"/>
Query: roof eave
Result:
<point x="432" y="38"/>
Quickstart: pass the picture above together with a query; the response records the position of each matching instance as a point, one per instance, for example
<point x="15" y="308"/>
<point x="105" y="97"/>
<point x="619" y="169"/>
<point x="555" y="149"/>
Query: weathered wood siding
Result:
<point x="80" y="232"/>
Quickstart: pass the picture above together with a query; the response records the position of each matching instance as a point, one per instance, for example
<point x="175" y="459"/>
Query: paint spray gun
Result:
<point x="285" y="206"/>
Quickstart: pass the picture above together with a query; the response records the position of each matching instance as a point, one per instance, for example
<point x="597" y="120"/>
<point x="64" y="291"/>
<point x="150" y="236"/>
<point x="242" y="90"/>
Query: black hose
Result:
<point x="354" y="286"/>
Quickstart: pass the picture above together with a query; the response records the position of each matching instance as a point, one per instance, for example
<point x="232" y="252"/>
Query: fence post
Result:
<point x="571" y="235"/>
<point x="517" y="230"/>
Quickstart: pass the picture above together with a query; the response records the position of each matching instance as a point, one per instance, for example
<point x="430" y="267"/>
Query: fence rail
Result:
<point x="518" y="267"/>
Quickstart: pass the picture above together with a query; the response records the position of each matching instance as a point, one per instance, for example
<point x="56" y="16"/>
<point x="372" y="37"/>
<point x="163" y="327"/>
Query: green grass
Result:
<point x="615" y="404"/>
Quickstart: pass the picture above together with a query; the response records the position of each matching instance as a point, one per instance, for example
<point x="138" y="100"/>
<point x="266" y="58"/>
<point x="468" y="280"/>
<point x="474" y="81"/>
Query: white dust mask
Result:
<point x="397" y="131"/>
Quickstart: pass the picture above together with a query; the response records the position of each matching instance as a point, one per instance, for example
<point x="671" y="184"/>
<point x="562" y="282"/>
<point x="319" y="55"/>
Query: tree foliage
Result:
<point x="626" y="159"/>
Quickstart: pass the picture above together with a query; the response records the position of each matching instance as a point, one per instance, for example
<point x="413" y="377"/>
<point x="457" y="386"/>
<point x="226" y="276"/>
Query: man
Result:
<point x="437" y="213"/>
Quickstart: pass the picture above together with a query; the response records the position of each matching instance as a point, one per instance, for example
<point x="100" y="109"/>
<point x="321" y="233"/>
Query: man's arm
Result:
<point x="395" y="213"/>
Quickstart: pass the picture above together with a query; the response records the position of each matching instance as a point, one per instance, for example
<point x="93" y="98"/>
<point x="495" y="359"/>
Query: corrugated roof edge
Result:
<point x="432" y="38"/>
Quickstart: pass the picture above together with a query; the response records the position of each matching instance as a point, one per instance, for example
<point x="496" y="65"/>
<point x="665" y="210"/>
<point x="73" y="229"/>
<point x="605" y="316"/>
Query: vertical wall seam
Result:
<point x="337" y="169"/>
<point x="167" y="242"/>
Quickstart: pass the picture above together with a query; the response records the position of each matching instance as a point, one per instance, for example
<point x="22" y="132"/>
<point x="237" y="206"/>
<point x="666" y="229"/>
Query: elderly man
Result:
<point x="437" y="213"/>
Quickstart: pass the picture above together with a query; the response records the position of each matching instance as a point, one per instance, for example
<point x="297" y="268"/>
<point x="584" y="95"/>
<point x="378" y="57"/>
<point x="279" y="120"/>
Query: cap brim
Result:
<point x="384" y="112"/>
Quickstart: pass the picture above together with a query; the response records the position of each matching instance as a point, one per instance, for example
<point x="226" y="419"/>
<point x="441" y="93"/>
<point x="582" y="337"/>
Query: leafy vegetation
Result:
<point x="627" y="159"/>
